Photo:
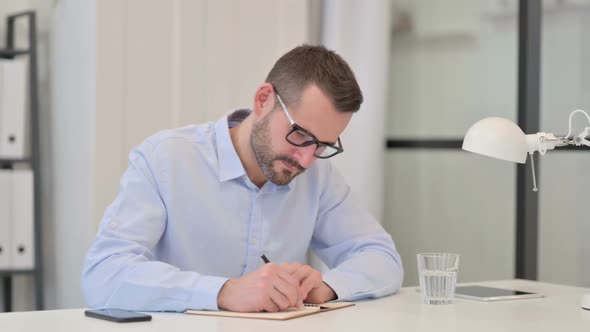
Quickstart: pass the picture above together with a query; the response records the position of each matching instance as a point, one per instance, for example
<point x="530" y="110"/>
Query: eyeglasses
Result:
<point x="302" y="138"/>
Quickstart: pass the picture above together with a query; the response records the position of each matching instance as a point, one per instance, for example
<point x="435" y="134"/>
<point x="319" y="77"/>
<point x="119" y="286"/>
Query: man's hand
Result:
<point x="313" y="288"/>
<point x="270" y="288"/>
<point x="321" y="294"/>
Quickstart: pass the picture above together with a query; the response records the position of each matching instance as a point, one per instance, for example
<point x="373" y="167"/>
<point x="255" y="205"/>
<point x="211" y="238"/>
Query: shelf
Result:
<point x="13" y="272"/>
<point x="8" y="160"/>
<point x="11" y="53"/>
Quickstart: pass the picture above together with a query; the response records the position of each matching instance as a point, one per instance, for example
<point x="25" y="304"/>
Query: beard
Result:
<point x="261" y="145"/>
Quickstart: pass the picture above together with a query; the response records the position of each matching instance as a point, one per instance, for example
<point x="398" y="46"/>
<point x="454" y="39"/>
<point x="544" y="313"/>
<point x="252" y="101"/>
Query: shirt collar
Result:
<point x="230" y="165"/>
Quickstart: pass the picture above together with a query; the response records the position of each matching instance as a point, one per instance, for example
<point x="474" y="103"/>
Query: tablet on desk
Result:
<point x="488" y="294"/>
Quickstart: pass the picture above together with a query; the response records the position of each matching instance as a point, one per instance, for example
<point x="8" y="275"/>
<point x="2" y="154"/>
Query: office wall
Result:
<point x="360" y="32"/>
<point x="73" y="148"/>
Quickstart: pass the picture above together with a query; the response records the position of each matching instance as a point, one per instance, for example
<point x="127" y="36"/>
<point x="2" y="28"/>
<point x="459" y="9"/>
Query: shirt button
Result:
<point x="113" y="224"/>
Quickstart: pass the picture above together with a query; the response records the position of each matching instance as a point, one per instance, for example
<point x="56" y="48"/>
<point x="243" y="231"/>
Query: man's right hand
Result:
<point x="270" y="288"/>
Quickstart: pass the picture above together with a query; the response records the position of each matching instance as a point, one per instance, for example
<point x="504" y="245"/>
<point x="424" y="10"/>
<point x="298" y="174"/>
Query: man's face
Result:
<point x="279" y="160"/>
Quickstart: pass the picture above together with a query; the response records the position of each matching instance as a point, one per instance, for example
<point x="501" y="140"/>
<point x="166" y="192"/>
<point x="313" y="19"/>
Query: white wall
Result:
<point x="360" y="32"/>
<point x="73" y="148"/>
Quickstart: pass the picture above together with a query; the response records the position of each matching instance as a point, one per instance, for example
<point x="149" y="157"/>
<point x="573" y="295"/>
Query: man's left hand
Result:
<point x="313" y="288"/>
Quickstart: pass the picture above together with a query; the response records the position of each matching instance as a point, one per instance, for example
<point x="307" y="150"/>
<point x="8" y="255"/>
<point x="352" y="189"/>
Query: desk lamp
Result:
<point x="503" y="139"/>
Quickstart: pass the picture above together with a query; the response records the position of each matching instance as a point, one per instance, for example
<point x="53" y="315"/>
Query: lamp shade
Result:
<point x="498" y="138"/>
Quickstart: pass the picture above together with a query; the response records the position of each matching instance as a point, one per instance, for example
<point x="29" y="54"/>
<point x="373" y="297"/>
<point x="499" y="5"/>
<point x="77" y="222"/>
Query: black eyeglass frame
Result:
<point x="295" y="127"/>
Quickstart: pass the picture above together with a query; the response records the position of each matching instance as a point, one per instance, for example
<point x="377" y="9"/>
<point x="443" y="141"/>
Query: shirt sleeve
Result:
<point x="120" y="270"/>
<point x="361" y="256"/>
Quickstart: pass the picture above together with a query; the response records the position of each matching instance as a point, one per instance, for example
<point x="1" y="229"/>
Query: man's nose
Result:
<point x="305" y="155"/>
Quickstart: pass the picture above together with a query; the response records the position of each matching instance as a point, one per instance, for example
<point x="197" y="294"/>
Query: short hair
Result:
<point x="307" y="64"/>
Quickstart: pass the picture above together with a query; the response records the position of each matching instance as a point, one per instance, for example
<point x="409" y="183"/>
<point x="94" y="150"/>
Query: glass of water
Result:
<point x="438" y="277"/>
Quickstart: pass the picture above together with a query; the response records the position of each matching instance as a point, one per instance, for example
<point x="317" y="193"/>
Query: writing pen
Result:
<point x="266" y="260"/>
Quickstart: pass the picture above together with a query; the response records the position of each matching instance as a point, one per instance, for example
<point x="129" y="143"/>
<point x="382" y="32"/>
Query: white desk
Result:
<point x="558" y="311"/>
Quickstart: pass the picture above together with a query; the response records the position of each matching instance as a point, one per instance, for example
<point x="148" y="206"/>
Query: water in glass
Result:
<point x="438" y="286"/>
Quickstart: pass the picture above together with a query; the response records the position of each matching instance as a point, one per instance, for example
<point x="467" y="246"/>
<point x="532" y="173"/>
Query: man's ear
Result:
<point x="264" y="100"/>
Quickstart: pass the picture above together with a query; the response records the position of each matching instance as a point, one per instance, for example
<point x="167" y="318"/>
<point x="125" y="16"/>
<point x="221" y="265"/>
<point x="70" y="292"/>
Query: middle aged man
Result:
<point x="199" y="206"/>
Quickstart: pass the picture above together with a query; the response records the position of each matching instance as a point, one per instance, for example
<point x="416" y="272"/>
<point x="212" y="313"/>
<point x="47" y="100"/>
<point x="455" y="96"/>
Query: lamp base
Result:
<point x="586" y="302"/>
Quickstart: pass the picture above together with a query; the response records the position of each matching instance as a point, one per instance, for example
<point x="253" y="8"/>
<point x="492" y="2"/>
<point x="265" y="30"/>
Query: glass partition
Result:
<point x="564" y="226"/>
<point x="452" y="63"/>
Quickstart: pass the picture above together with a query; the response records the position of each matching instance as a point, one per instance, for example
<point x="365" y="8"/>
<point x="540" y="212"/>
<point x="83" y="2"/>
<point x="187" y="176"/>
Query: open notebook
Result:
<point x="309" y="309"/>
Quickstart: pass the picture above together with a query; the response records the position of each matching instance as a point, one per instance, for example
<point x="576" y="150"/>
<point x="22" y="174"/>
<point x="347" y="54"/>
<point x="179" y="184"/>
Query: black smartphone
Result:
<point x="118" y="315"/>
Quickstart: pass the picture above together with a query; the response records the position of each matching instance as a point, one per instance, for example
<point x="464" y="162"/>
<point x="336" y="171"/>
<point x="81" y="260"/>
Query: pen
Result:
<point x="266" y="260"/>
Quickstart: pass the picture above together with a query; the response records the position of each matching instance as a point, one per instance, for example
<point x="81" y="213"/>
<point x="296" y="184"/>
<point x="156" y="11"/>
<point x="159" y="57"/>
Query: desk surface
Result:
<point x="558" y="311"/>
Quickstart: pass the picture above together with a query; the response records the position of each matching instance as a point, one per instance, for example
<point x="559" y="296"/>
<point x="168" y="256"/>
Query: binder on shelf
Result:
<point x="5" y="219"/>
<point x="13" y="108"/>
<point x="19" y="103"/>
<point x="22" y="220"/>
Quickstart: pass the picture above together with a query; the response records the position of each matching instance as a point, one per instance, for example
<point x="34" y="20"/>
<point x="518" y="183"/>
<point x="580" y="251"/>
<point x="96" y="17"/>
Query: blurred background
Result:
<point x="112" y="72"/>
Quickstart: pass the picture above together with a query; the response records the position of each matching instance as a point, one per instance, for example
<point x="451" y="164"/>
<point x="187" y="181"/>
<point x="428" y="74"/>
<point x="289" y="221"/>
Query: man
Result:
<point x="199" y="206"/>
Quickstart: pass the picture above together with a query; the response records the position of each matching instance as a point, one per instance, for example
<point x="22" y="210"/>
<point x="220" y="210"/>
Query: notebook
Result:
<point x="309" y="309"/>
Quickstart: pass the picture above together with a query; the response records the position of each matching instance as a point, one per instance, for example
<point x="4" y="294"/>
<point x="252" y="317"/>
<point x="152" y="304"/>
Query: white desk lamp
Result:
<point x="503" y="139"/>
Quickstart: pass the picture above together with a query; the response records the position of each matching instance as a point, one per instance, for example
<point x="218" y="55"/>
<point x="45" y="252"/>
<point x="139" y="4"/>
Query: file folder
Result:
<point x="22" y="220"/>
<point x="5" y="219"/>
<point x="13" y="108"/>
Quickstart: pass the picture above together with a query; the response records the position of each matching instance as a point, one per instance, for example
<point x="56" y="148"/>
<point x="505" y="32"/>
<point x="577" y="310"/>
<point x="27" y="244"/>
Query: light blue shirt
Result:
<point x="187" y="218"/>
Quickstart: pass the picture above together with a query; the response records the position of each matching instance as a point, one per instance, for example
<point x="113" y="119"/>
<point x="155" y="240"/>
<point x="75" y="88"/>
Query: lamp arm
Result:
<point x="580" y="139"/>
<point x="569" y="132"/>
<point x="544" y="141"/>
